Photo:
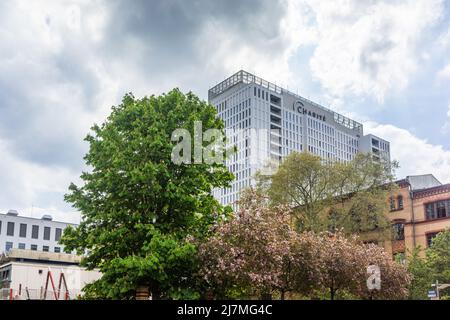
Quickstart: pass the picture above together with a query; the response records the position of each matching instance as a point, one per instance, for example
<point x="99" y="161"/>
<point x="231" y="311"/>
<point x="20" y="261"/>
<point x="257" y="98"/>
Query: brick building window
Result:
<point x="429" y="211"/>
<point x="440" y="209"/>
<point x="400" y="257"/>
<point x="398" y="231"/>
<point x="392" y="203"/>
<point x="430" y="237"/>
<point x="400" y="202"/>
<point x="437" y="210"/>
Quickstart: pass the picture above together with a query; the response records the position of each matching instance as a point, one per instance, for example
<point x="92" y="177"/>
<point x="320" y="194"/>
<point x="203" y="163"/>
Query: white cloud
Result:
<point x="368" y="47"/>
<point x="34" y="189"/>
<point x="446" y="127"/>
<point x="444" y="73"/>
<point x="415" y="155"/>
<point x="444" y="39"/>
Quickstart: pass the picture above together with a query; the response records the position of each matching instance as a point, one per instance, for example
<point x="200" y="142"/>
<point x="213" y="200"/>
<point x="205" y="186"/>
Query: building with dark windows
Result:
<point x="18" y="232"/>
<point x="418" y="212"/>
<point x="266" y="123"/>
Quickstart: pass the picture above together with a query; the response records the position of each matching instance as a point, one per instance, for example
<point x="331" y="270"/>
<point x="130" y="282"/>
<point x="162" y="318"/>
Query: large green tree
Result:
<point x="140" y="209"/>
<point x="330" y="195"/>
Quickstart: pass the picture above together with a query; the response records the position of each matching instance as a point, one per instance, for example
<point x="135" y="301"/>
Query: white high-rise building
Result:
<point x="267" y="122"/>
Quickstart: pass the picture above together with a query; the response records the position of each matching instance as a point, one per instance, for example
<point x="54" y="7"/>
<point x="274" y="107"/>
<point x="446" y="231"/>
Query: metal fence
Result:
<point x="38" y="294"/>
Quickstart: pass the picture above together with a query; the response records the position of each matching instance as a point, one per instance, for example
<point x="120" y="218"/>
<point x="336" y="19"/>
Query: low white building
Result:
<point x="32" y="262"/>
<point x="37" y="275"/>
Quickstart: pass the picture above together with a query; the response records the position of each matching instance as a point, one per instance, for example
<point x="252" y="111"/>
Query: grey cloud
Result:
<point x="169" y="33"/>
<point x="48" y="91"/>
<point x="372" y="55"/>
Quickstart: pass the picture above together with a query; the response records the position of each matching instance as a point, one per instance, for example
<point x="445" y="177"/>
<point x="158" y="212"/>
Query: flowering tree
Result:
<point x="394" y="277"/>
<point x="339" y="264"/>
<point x="258" y="252"/>
<point x="333" y="262"/>
<point x="250" y="254"/>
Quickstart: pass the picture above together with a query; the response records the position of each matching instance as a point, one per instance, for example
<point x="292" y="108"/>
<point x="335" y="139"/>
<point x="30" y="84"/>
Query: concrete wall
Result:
<point x="34" y="275"/>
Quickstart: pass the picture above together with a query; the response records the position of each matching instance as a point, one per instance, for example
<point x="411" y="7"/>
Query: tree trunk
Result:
<point x="266" y="296"/>
<point x="332" y="293"/>
<point x="142" y="293"/>
<point x="282" y="295"/>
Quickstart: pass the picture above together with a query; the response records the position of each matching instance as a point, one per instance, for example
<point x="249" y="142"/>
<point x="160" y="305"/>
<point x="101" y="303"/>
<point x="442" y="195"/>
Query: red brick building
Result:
<point x="418" y="211"/>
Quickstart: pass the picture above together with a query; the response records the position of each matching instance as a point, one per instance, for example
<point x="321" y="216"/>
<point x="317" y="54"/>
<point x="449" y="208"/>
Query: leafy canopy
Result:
<point x="138" y="207"/>
<point x="330" y="195"/>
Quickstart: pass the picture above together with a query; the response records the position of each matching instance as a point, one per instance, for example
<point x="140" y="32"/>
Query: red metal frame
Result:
<point x="62" y="280"/>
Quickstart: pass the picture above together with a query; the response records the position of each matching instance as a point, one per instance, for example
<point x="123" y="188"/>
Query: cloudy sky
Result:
<point x="63" y="64"/>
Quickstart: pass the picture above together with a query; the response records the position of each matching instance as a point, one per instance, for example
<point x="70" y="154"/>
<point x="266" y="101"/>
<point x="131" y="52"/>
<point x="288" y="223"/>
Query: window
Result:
<point x="22" y="246"/>
<point x="35" y="232"/>
<point x="429" y="210"/>
<point x="33" y="247"/>
<point x="400" y="257"/>
<point x="8" y="245"/>
<point x="440" y="209"/>
<point x="46" y="233"/>
<point x="400" y="202"/>
<point x="45" y="248"/>
<point x="437" y="210"/>
<point x="392" y="203"/>
<point x="57" y="249"/>
<point x="58" y="232"/>
<point x="23" y="230"/>
<point x="430" y="237"/>
<point x="10" y="229"/>
<point x="398" y="231"/>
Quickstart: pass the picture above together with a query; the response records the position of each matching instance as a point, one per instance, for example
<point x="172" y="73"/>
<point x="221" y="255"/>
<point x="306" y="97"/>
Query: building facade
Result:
<point x="266" y="123"/>
<point x="17" y="232"/>
<point x="418" y="211"/>
<point x="38" y="275"/>
<point x="379" y="148"/>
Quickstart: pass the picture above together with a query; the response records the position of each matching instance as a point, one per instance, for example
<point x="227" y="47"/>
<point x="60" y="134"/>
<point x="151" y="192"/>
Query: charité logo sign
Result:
<point x="300" y="108"/>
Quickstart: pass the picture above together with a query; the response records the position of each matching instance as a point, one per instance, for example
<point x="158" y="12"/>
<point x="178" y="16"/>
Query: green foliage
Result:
<point x="435" y="266"/>
<point x="329" y="196"/>
<point x="138" y="208"/>
<point x="438" y="259"/>
<point x="421" y="275"/>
